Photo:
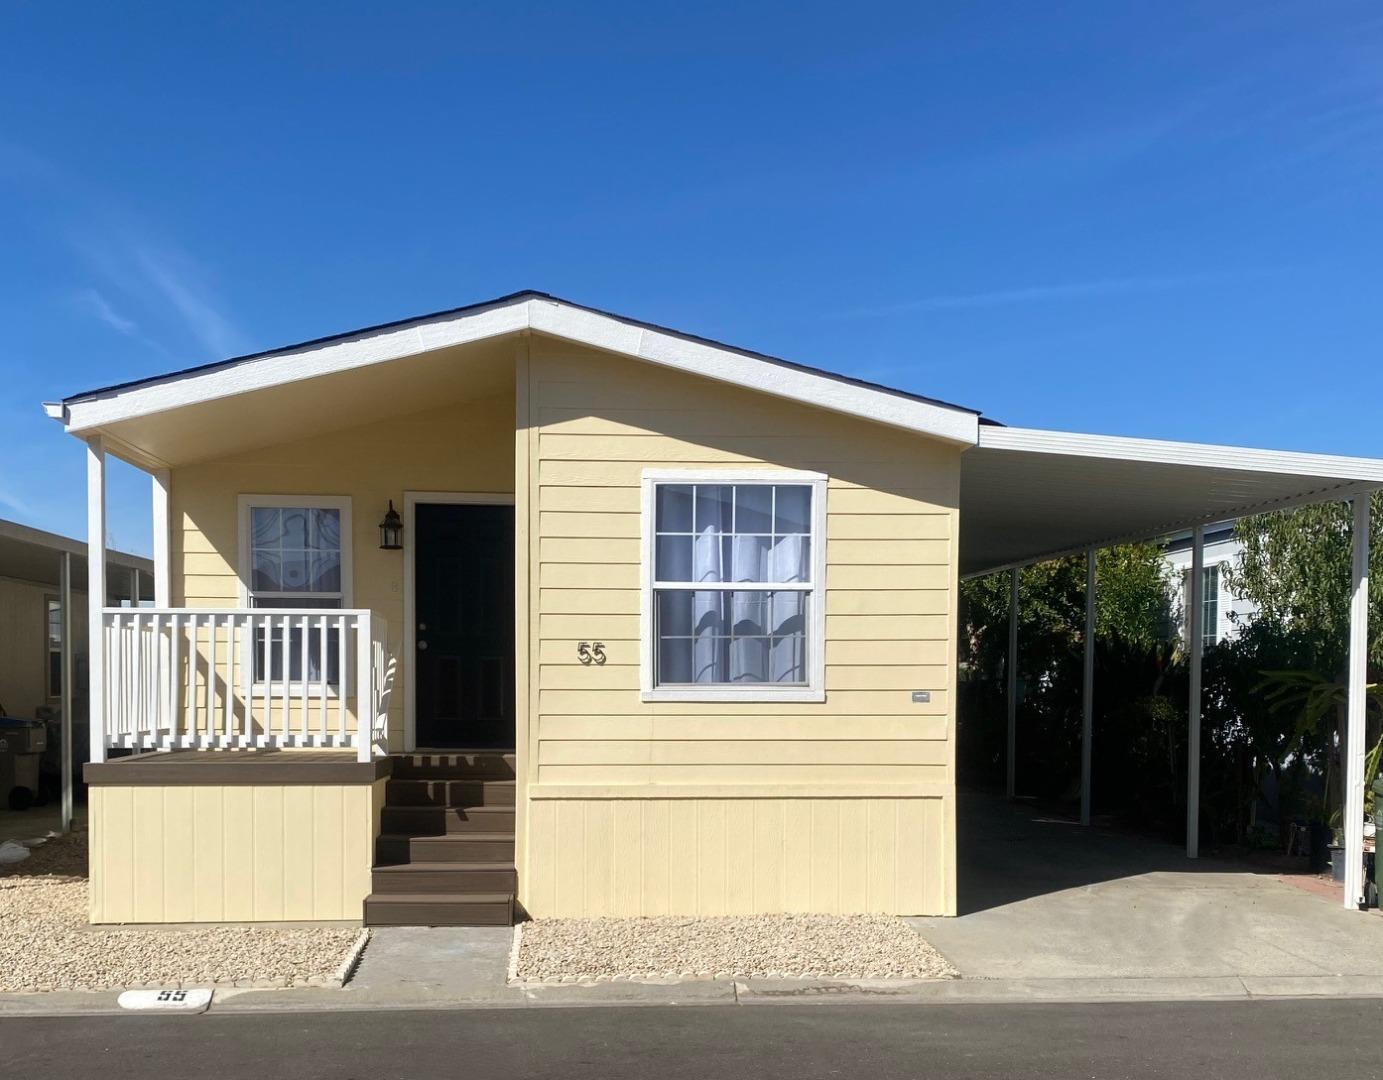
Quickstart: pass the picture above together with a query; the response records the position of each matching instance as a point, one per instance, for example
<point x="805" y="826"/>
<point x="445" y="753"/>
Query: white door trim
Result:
<point x="411" y="500"/>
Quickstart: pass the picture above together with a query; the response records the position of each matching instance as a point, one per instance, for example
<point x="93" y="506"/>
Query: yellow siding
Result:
<point x="231" y="854"/>
<point x="24" y="642"/>
<point x="467" y="446"/>
<point x="729" y="856"/>
<point x="593" y="423"/>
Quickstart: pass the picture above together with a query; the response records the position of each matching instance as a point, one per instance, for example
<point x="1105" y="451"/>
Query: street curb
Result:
<point x="768" y="992"/>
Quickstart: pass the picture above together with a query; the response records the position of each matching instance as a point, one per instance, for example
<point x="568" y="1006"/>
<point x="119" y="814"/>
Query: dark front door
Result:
<point x="463" y="563"/>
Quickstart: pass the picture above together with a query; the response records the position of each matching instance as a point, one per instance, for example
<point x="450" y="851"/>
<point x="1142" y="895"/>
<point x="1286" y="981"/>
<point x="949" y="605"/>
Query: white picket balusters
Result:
<point x="204" y="678"/>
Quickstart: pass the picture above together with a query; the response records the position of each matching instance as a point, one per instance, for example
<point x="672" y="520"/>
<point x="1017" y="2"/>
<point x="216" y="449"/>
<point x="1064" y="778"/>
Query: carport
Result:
<point x="1029" y="495"/>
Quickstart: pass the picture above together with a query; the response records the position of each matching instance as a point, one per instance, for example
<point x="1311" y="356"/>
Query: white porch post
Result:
<point x="1087" y="698"/>
<point x="364" y="689"/>
<point x="163" y="570"/>
<point x="96" y="591"/>
<point x="1011" y="675"/>
<point x="1354" y="729"/>
<point x="1194" y="618"/>
<point x="69" y="703"/>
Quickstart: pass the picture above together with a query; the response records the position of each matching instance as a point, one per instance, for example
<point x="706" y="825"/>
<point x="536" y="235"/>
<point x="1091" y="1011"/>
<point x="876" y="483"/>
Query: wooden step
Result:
<point x="447" y="820"/>
<point x="474" y="847"/>
<point x="454" y="878"/>
<point x="449" y="793"/>
<point x="456" y="765"/>
<point x="439" y="909"/>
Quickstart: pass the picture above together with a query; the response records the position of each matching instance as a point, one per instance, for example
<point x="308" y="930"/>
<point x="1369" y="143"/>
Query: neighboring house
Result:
<point x="33" y="567"/>
<point x="526" y="606"/>
<point x="1225" y="615"/>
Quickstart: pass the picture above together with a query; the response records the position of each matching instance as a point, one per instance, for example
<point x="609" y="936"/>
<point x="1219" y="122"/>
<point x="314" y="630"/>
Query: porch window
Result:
<point x="732" y="609"/>
<point x="295" y="554"/>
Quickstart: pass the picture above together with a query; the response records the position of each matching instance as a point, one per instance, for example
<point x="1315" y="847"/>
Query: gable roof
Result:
<point x="516" y="312"/>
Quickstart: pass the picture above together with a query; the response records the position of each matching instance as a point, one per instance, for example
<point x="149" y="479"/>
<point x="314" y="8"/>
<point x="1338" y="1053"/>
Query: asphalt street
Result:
<point x="1204" y="1040"/>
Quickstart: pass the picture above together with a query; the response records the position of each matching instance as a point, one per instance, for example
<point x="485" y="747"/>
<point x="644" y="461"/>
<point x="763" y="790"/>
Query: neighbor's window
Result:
<point x="1210" y="606"/>
<point x="54" y="638"/>
<point x="297" y="556"/>
<point x="734" y="586"/>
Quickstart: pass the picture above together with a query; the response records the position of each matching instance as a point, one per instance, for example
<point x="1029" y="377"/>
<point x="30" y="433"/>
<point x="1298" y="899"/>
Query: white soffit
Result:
<point x="1028" y="495"/>
<point x="524" y="312"/>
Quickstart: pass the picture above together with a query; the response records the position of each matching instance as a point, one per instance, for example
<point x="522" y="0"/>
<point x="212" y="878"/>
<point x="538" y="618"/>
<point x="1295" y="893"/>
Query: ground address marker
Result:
<point x="191" y="1001"/>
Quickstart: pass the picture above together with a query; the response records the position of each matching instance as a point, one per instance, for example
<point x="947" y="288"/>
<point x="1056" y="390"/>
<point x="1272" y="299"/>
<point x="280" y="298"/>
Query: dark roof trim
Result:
<point x="525" y="294"/>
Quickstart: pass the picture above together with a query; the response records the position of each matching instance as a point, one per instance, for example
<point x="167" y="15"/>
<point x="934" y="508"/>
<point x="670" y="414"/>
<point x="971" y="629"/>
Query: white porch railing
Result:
<point x="209" y="679"/>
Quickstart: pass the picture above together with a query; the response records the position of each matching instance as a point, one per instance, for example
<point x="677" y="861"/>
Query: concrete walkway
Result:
<point x="1043" y="898"/>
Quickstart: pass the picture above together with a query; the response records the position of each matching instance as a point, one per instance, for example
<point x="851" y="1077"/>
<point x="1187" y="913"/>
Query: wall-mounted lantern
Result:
<point x="391" y="530"/>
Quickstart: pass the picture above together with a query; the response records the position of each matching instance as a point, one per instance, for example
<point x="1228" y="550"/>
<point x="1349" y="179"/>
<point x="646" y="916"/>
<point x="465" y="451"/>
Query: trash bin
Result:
<point x="22" y="743"/>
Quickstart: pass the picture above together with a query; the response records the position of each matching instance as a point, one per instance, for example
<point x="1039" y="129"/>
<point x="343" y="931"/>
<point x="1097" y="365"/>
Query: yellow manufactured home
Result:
<point x="527" y="607"/>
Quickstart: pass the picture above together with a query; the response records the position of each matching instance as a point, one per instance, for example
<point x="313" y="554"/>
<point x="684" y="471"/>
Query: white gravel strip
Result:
<point x="748" y="946"/>
<point x="47" y="944"/>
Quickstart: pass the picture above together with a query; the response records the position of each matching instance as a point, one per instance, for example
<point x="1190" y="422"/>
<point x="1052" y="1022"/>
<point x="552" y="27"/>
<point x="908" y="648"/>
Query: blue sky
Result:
<point x="1157" y="219"/>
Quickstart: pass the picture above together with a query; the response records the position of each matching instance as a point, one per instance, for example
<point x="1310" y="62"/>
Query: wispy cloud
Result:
<point x="96" y="304"/>
<point x="16" y="504"/>
<point x="176" y="280"/>
<point x="1036" y="294"/>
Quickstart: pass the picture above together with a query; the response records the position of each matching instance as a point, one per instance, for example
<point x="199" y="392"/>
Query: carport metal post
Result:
<point x="1012" y="676"/>
<point x="1354" y="729"/>
<point x="69" y="700"/>
<point x="1087" y="696"/>
<point x="1194" y="617"/>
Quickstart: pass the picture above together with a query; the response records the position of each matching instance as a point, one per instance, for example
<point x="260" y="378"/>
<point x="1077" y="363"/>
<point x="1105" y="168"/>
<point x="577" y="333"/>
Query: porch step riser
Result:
<point x="453" y="766"/>
<point x="447" y="821"/>
<point x="412" y="880"/>
<point x="455" y="848"/>
<point x="439" y="911"/>
<point x="449" y="793"/>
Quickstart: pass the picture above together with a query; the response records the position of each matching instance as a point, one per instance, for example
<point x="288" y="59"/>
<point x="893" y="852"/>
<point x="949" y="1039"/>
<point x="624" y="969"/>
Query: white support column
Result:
<point x="96" y="591"/>
<point x="163" y="569"/>
<point x="1195" y="616"/>
<point x="1355" y="714"/>
<point x="1011" y="675"/>
<point x="69" y="702"/>
<point x="1087" y="696"/>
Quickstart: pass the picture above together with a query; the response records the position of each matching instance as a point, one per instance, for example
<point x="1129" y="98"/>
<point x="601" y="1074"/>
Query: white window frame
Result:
<point x="245" y="560"/>
<point x="815" y="689"/>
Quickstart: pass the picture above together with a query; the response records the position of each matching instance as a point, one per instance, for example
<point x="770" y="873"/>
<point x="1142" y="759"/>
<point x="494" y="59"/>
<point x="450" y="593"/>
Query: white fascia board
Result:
<point x="1201" y="455"/>
<point x="310" y="361"/>
<point x="701" y="358"/>
<point x="544" y="316"/>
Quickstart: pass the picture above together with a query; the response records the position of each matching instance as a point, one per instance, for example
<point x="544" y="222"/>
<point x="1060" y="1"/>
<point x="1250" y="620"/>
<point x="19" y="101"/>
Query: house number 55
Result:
<point x="591" y="652"/>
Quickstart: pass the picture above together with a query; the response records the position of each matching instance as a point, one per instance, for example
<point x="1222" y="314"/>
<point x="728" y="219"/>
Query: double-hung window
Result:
<point x="295" y="553"/>
<point x="53" y="628"/>
<point x="733" y="596"/>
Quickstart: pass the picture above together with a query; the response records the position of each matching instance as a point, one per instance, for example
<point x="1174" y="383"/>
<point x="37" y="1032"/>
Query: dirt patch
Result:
<point x="760" y="946"/>
<point x="47" y="944"/>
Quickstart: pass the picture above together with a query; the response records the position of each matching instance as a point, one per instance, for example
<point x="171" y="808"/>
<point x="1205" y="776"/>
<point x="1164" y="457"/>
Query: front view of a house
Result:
<point x="664" y="628"/>
<point x="530" y="608"/>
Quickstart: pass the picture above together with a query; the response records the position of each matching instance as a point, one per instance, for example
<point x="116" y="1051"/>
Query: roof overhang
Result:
<point x="105" y="410"/>
<point x="33" y="555"/>
<point x="1029" y="495"/>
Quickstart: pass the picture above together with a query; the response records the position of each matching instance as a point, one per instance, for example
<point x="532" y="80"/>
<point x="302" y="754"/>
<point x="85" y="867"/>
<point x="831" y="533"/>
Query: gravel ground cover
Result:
<point x="45" y="942"/>
<point x="764" y="946"/>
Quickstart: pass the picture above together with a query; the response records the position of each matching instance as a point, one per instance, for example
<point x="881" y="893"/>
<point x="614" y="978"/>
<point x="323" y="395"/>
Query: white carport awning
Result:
<point x="1028" y="495"/>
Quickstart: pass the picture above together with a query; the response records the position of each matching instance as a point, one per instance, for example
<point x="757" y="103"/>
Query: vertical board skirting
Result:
<point x="711" y="856"/>
<point x="231" y="854"/>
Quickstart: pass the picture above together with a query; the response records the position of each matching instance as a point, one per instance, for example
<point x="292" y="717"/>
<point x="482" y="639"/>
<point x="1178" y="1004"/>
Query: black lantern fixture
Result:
<point x="391" y="530"/>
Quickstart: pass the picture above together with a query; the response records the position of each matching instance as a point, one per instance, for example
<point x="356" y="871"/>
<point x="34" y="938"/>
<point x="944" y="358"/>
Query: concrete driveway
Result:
<point x="1043" y="898"/>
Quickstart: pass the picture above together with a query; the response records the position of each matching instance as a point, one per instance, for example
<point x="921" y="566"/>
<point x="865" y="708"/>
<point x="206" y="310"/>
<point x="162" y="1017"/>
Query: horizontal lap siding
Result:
<point x="650" y="856"/>
<point x="231" y="854"/>
<point x="596" y="422"/>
